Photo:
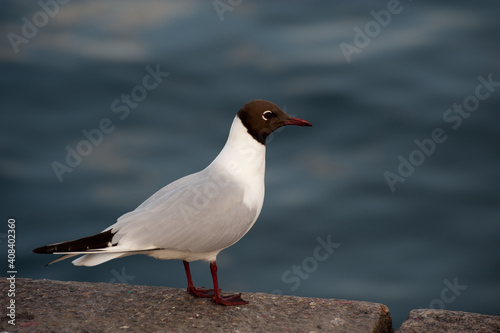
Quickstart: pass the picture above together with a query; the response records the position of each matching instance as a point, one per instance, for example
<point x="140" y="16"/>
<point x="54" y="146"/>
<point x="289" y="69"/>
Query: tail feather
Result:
<point x="96" y="250"/>
<point x="63" y="257"/>
<point x="97" y="259"/>
<point x="99" y="241"/>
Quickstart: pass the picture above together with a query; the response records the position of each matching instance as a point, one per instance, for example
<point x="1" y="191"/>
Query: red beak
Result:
<point x="297" y="121"/>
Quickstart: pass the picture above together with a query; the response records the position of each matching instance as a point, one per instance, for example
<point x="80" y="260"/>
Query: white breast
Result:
<point x="197" y="216"/>
<point x="243" y="160"/>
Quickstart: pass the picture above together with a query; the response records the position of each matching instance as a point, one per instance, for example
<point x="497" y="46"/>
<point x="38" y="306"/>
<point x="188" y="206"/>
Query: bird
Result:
<point x="197" y="216"/>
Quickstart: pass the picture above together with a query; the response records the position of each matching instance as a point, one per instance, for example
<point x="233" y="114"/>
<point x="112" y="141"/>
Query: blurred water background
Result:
<point x="401" y="246"/>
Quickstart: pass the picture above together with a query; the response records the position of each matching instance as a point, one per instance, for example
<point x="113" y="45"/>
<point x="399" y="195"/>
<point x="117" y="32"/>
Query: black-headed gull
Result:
<point x="197" y="216"/>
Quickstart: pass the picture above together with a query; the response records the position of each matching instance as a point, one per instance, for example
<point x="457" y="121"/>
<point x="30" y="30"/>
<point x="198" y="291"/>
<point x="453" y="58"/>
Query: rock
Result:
<point x="441" y="321"/>
<point x="55" y="306"/>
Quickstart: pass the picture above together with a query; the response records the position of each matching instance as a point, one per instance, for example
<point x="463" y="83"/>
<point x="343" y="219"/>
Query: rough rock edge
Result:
<point x="100" y="307"/>
<point x="55" y="306"/>
<point x="428" y="320"/>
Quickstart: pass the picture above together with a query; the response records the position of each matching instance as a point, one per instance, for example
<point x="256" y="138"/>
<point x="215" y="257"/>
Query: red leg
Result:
<point x="223" y="300"/>
<point x="199" y="292"/>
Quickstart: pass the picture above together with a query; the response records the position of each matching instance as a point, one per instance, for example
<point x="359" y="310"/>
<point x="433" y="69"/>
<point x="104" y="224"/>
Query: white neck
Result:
<point x="242" y="156"/>
<point x="243" y="159"/>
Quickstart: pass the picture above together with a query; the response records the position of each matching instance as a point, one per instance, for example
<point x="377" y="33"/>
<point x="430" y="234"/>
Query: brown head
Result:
<point x="261" y="118"/>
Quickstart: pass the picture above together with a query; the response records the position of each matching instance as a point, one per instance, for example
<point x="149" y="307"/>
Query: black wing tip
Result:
<point x="100" y="240"/>
<point x="44" y="249"/>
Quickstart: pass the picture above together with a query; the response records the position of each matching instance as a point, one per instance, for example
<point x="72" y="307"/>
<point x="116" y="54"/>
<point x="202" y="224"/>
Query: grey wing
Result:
<point x="195" y="214"/>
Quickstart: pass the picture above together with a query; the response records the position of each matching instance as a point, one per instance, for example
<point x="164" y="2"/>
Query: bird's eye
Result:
<point x="267" y="115"/>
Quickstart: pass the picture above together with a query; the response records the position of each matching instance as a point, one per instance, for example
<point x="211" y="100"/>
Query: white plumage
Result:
<point x="197" y="216"/>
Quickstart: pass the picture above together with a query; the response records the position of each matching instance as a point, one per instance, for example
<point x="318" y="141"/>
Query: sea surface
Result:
<point x="392" y="197"/>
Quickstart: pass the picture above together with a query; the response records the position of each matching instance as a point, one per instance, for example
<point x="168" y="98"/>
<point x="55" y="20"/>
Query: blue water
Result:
<point x="402" y="246"/>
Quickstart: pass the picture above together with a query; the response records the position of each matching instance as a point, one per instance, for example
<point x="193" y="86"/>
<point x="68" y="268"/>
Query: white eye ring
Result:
<point x="267" y="115"/>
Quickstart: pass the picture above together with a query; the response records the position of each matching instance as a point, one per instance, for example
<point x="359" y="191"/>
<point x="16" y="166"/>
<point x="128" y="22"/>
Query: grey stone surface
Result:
<point x="55" y="306"/>
<point x="443" y="321"/>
